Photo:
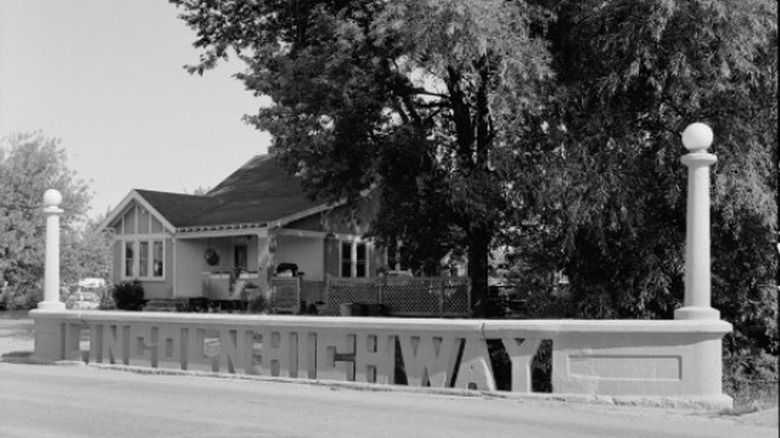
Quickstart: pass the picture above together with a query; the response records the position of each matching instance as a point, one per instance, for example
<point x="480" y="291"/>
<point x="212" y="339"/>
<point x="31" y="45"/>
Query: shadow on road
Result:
<point x="23" y="357"/>
<point x="17" y="337"/>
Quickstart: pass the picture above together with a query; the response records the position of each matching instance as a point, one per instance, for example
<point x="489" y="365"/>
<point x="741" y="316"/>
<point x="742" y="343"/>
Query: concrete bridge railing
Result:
<point x="660" y="359"/>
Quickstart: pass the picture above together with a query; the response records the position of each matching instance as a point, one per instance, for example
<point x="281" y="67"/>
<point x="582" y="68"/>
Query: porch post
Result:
<point x="266" y="259"/>
<point x="330" y="256"/>
<point x="353" y="259"/>
<point x="697" y="138"/>
<point x="51" y="291"/>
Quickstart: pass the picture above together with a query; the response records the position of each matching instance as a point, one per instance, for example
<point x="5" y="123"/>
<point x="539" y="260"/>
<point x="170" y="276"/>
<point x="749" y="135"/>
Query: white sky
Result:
<point x="106" y="77"/>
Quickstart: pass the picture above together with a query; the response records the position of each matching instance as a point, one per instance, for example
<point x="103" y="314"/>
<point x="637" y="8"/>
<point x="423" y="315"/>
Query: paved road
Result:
<point x="81" y="401"/>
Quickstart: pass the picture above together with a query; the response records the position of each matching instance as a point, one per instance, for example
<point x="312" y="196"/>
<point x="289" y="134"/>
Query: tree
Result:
<point x="31" y="163"/>
<point x="631" y="75"/>
<point x="87" y="252"/>
<point x="553" y="126"/>
<point x="408" y="97"/>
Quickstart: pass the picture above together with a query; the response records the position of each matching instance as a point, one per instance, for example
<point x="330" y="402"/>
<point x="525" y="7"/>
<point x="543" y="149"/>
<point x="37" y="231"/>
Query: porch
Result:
<point x="238" y="265"/>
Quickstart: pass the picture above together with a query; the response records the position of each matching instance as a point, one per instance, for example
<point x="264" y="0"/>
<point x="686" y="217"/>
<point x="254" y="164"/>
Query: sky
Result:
<point x="106" y="77"/>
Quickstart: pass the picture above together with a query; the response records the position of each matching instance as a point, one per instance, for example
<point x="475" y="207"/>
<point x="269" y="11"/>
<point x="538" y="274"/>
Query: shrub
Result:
<point x="257" y="303"/>
<point x="106" y="302"/>
<point x="128" y="295"/>
<point x="21" y="297"/>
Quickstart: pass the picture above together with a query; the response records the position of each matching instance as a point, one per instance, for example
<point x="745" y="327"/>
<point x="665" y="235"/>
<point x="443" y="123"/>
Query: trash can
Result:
<point x="376" y="309"/>
<point x="349" y="309"/>
<point x="353" y="309"/>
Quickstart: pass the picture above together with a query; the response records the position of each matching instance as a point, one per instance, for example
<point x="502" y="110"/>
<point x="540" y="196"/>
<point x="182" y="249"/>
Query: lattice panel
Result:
<point x="402" y="296"/>
<point x="286" y="295"/>
<point x="411" y="296"/>
<point x="350" y="290"/>
<point x="456" y="297"/>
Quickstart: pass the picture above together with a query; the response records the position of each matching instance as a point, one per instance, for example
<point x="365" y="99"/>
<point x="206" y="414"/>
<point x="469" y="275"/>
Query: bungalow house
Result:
<point x="253" y="222"/>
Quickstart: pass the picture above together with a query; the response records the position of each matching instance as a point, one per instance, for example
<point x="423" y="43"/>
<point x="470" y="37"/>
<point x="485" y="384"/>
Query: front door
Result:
<point x="240" y="258"/>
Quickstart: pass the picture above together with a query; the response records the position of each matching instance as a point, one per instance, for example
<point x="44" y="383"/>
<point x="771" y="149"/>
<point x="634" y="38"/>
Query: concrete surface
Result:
<point x="665" y="362"/>
<point x="84" y="401"/>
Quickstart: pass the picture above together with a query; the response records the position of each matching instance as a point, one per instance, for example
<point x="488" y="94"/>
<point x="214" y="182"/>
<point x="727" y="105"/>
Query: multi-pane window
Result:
<point x="144" y="259"/>
<point x="354" y="259"/>
<point x="143" y="245"/>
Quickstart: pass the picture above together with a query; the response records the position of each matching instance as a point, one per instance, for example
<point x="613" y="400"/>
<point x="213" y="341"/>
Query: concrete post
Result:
<point x="51" y="290"/>
<point x="697" y="137"/>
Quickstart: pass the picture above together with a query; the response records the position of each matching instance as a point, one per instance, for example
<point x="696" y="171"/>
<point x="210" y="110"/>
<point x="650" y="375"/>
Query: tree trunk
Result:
<point x="481" y="221"/>
<point x="479" y="244"/>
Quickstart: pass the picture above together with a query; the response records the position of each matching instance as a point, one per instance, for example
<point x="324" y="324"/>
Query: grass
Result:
<point x="751" y="396"/>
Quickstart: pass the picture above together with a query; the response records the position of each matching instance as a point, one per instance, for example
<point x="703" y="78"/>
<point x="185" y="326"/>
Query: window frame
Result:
<point x="131" y="237"/>
<point x="135" y="242"/>
<point x="352" y="258"/>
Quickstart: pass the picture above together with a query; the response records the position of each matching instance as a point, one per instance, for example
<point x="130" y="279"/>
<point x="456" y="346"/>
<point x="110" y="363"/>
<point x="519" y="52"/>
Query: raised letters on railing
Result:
<point x="437" y="360"/>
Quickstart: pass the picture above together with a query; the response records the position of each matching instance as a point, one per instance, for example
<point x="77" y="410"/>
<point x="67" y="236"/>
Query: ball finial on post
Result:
<point x="697" y="137"/>
<point x="52" y="198"/>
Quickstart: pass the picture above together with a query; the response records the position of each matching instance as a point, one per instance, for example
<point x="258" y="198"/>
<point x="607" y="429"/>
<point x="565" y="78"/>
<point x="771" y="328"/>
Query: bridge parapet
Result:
<point x="668" y="359"/>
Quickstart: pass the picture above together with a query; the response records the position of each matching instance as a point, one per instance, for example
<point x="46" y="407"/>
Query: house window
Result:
<point x="395" y="257"/>
<point x="129" y="259"/>
<point x="157" y="259"/>
<point x="354" y="259"/>
<point x="144" y="259"/>
<point x="360" y="260"/>
<point x="346" y="259"/>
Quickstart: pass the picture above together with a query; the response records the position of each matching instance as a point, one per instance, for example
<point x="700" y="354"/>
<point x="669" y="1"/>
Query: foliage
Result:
<point x="649" y="71"/>
<point x="20" y="297"/>
<point x="87" y="252"/>
<point x="257" y="303"/>
<point x="107" y="302"/>
<point x="407" y="97"/>
<point x="631" y="76"/>
<point x="30" y="164"/>
<point x="128" y="295"/>
<point x="553" y="127"/>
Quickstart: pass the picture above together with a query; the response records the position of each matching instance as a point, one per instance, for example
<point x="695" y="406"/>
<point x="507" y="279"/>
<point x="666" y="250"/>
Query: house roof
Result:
<point x="260" y="191"/>
<point x="179" y="208"/>
<point x="257" y="193"/>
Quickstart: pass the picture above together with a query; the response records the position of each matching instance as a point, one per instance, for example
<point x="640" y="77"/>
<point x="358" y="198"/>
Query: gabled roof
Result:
<point x="258" y="193"/>
<point x="178" y="208"/>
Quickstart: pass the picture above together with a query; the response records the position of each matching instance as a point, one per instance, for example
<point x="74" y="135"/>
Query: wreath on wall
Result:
<point x="211" y="256"/>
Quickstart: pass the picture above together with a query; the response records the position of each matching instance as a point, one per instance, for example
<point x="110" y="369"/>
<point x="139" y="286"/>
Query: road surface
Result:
<point x="81" y="401"/>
